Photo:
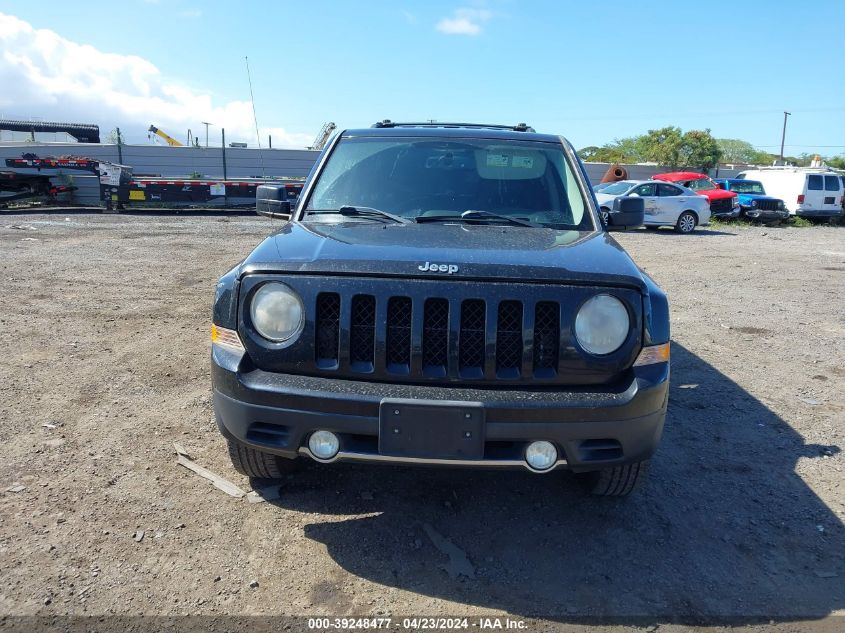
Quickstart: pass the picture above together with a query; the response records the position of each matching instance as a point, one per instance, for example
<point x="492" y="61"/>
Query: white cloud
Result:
<point x="45" y="75"/>
<point x="464" y="21"/>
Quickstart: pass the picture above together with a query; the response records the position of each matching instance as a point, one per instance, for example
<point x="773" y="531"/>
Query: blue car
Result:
<point x="753" y="201"/>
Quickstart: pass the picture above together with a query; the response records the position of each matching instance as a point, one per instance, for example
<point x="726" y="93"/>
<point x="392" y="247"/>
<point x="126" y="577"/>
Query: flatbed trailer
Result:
<point x="16" y="187"/>
<point x="119" y="187"/>
<point x="231" y="192"/>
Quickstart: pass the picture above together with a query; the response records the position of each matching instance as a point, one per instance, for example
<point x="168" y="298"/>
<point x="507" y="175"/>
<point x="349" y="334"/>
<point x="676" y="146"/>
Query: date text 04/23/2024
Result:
<point x="416" y="624"/>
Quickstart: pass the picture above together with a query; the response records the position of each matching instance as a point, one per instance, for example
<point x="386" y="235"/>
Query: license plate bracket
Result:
<point x="431" y="429"/>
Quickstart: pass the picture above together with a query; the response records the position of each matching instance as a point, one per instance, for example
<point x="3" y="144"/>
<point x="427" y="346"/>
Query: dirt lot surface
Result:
<point x="105" y="322"/>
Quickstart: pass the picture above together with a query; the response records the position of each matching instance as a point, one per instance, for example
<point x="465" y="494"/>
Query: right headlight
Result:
<point x="277" y="312"/>
<point x="602" y="325"/>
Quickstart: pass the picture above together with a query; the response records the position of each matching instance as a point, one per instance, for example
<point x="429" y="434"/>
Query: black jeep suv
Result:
<point x="443" y="294"/>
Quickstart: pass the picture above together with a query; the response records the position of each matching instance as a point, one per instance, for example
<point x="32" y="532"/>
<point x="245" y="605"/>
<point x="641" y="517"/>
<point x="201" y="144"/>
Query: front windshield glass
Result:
<point x="424" y="177"/>
<point x="749" y="186"/>
<point x="700" y="184"/>
<point x="617" y="188"/>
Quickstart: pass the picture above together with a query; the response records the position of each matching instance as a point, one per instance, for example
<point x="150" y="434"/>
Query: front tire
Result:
<point x="257" y="464"/>
<point x="686" y="222"/>
<point x="617" y="481"/>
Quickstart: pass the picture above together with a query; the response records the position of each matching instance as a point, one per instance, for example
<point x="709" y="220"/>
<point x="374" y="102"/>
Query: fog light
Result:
<point x="541" y="455"/>
<point x="323" y="444"/>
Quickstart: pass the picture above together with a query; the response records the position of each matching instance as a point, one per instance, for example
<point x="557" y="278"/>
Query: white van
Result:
<point x="808" y="192"/>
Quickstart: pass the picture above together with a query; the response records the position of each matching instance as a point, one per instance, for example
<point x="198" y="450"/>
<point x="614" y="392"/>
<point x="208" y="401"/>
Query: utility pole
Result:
<point x="206" y="124"/>
<point x="223" y="132"/>
<point x="225" y="198"/>
<point x="119" y="146"/>
<point x="783" y="135"/>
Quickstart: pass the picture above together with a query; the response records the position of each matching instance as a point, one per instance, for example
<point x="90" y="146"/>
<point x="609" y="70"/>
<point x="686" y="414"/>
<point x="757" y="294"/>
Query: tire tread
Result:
<point x="257" y="464"/>
<point x="618" y="481"/>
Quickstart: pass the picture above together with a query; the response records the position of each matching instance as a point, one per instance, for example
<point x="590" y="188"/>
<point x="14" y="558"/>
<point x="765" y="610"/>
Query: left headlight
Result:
<point x="602" y="325"/>
<point x="277" y="312"/>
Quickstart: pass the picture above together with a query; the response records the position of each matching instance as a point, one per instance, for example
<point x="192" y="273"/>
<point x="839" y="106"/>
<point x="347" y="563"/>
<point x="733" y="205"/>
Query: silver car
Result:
<point x="666" y="203"/>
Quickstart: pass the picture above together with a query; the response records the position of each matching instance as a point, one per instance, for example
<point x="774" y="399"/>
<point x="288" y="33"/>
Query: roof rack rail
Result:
<point x="519" y="127"/>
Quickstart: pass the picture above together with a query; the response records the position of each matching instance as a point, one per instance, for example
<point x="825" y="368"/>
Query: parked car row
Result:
<point x="666" y="204"/>
<point x="753" y="201"/>
<point x="810" y="193"/>
<point x="685" y="200"/>
<point x="723" y="204"/>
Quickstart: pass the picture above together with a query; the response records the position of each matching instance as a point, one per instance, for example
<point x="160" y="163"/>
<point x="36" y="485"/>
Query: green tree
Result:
<point x="838" y="162"/>
<point x="587" y="153"/>
<point x="609" y="153"/>
<point x="700" y="150"/>
<point x="735" y="150"/>
<point x="663" y="146"/>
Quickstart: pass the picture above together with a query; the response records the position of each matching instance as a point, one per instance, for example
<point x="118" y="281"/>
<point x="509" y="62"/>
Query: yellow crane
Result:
<point x="170" y="140"/>
<point x="323" y="136"/>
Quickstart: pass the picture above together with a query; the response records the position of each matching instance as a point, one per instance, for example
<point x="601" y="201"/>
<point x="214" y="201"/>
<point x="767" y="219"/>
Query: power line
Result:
<point x="680" y="115"/>
<point x="255" y="118"/>
<point x="801" y="145"/>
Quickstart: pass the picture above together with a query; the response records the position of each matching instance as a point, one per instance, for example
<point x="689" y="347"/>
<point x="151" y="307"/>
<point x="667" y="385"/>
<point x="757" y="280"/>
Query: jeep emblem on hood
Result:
<point x="438" y="268"/>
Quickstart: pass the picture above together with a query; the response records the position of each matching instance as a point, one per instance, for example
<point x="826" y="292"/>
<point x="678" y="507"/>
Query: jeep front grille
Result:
<point x="436" y="331"/>
<point x="437" y="341"/>
<point x="767" y="205"/>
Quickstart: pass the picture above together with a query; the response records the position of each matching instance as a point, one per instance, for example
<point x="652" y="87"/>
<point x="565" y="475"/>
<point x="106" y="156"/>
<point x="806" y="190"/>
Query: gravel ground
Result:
<point x="105" y="321"/>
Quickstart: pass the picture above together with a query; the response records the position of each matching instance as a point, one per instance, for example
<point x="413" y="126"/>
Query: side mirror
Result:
<point x="627" y="213"/>
<point x="720" y="185"/>
<point x="271" y="201"/>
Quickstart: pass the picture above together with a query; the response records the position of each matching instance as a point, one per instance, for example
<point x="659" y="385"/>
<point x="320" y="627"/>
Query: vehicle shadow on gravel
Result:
<point x="698" y="232"/>
<point x="724" y="528"/>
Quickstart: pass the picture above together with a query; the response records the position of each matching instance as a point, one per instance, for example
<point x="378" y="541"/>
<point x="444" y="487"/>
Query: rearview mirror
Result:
<point x="271" y="201"/>
<point x="278" y="209"/>
<point x="627" y="213"/>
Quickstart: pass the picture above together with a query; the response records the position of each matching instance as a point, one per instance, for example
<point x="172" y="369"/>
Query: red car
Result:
<point x="723" y="204"/>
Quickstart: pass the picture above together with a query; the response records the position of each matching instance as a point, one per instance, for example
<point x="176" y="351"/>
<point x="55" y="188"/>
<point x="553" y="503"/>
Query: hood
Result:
<point x="481" y="252"/>
<point x="716" y="194"/>
<point x="756" y="196"/>
<point x="602" y="198"/>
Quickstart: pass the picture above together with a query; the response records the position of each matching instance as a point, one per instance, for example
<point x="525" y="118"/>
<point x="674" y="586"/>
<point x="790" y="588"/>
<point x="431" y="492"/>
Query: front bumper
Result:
<point x="761" y="214"/>
<point x="592" y="428"/>
<point x="733" y="213"/>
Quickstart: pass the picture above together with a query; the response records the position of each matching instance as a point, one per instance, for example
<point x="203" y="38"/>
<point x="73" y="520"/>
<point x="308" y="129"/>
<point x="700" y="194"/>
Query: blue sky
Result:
<point x="591" y="71"/>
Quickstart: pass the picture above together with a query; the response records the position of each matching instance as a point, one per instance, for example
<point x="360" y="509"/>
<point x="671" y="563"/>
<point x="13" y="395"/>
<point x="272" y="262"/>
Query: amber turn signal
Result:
<point x="653" y="354"/>
<point x="226" y="338"/>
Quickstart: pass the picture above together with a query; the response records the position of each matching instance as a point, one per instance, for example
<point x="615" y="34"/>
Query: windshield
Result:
<point x="617" y="188"/>
<point x="700" y="184"/>
<point x="749" y="186"/>
<point x="418" y="177"/>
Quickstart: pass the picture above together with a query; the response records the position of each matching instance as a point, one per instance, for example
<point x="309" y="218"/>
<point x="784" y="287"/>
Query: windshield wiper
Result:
<point x="472" y="215"/>
<point x="351" y="211"/>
